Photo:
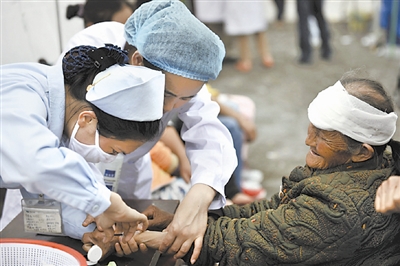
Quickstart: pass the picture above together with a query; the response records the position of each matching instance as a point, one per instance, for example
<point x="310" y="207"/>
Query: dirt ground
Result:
<point x="283" y="93"/>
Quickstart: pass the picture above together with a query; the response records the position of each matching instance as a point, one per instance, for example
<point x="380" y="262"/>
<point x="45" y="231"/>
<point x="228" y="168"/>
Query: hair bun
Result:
<point x="107" y="56"/>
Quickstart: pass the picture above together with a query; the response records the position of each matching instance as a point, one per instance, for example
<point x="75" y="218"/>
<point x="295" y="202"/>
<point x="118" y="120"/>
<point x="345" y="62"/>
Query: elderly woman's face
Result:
<point x="327" y="148"/>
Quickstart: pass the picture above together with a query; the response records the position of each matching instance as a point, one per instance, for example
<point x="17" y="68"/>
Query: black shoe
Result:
<point x="326" y="53"/>
<point x="305" y="59"/>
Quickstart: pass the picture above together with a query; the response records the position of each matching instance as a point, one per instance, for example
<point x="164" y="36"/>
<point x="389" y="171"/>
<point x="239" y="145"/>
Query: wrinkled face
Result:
<point x="327" y="148"/>
<point x="179" y="90"/>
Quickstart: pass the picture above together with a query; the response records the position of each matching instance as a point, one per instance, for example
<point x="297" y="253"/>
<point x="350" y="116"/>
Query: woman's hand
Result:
<point x="141" y="241"/>
<point x="118" y="211"/>
<point x="388" y="196"/>
<point x="158" y="219"/>
<point x="189" y="223"/>
<point x="248" y="127"/>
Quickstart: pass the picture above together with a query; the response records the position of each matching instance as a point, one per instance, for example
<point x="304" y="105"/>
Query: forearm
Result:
<point x="228" y="111"/>
<point x="199" y="196"/>
<point x="172" y="140"/>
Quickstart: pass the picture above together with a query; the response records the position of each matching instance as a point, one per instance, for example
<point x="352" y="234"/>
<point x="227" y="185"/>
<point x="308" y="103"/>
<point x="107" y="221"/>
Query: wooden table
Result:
<point x="16" y="230"/>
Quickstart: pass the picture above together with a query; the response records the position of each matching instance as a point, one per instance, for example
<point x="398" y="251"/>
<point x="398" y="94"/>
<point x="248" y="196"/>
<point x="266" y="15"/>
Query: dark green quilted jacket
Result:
<point x="323" y="217"/>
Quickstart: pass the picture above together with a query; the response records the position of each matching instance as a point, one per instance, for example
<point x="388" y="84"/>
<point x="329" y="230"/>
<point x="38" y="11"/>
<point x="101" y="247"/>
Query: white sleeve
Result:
<point x="209" y="145"/>
<point x="30" y="153"/>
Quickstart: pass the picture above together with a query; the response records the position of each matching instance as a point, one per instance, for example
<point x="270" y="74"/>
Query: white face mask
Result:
<point x="91" y="153"/>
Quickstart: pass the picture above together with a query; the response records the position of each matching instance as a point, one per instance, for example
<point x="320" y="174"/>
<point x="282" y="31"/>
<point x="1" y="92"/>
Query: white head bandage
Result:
<point x="335" y="109"/>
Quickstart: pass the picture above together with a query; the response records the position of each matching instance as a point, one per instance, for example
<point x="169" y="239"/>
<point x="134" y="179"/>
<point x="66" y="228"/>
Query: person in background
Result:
<point x="237" y="114"/>
<point x="324" y="213"/>
<point x="241" y="20"/>
<point x="95" y="11"/>
<point x="280" y="7"/>
<point x="166" y="184"/>
<point x="57" y="121"/>
<point x="305" y="9"/>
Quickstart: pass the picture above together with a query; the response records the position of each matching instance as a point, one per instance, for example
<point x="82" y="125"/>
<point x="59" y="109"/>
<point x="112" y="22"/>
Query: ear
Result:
<point x="136" y="59"/>
<point x="365" y="153"/>
<point x="86" y="118"/>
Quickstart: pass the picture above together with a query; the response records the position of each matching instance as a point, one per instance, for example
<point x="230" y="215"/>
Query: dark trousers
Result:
<point x="280" y="7"/>
<point x="305" y="8"/>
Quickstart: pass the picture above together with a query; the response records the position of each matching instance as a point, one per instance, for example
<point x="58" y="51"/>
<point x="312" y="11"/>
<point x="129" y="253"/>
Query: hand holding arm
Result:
<point x="118" y="212"/>
<point x="189" y="223"/>
<point x="388" y="196"/>
<point x="158" y="219"/>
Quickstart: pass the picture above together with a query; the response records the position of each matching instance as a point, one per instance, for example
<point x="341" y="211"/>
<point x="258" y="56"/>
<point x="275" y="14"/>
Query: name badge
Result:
<point x="42" y="216"/>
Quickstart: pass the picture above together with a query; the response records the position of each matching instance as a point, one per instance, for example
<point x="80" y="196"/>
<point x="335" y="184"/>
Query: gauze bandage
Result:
<point x="335" y="109"/>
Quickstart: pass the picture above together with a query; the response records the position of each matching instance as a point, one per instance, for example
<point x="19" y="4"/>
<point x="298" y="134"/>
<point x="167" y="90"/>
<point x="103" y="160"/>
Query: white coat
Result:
<point x="243" y="17"/>
<point x="31" y="152"/>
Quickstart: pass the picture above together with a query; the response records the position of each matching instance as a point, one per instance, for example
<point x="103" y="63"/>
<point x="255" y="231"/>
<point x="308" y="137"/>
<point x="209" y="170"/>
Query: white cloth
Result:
<point x="97" y="35"/>
<point x="32" y="156"/>
<point x="335" y="109"/>
<point x="209" y="11"/>
<point x="11" y="207"/>
<point x="243" y="17"/>
<point x="209" y="144"/>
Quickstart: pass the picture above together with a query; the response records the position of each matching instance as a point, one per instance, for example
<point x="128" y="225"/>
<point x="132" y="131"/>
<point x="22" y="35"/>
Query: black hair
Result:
<point x="373" y="93"/>
<point x="95" y="11"/>
<point x="74" y="11"/>
<point x="132" y="49"/>
<point x="80" y="66"/>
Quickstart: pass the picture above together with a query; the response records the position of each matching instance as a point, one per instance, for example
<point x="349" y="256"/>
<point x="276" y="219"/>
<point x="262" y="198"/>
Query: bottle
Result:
<point x="111" y="172"/>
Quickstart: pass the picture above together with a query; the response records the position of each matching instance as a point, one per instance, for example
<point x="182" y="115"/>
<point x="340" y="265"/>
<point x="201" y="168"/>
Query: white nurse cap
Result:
<point x="134" y="93"/>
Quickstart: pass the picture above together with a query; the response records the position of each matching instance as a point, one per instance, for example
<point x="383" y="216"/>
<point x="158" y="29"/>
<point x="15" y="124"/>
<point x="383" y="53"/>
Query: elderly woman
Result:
<point x="324" y="214"/>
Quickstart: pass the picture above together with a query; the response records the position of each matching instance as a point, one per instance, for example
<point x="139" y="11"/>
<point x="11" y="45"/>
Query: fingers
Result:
<point x="198" y="244"/>
<point x="127" y="248"/>
<point x="129" y="232"/>
<point x="183" y="249"/>
<point x="388" y="196"/>
<point x="143" y="248"/>
<point x="89" y="219"/>
<point x="144" y="225"/>
<point x="167" y="242"/>
<point x="186" y="177"/>
<point x="130" y="228"/>
<point x="87" y="246"/>
<point x="378" y="200"/>
<point x="118" y="250"/>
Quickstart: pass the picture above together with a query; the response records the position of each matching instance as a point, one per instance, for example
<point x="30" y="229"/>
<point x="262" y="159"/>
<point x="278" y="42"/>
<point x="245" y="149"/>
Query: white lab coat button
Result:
<point x="95" y="208"/>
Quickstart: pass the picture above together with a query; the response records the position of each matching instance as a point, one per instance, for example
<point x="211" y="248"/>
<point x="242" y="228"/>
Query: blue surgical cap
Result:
<point x="168" y="36"/>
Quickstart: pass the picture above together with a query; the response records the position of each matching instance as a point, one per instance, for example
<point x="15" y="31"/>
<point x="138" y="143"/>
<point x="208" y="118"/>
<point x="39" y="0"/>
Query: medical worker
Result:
<point x="57" y="121"/>
<point x="168" y="37"/>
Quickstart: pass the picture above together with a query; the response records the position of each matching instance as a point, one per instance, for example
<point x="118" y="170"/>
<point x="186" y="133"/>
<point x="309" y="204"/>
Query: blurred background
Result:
<point x="281" y="89"/>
